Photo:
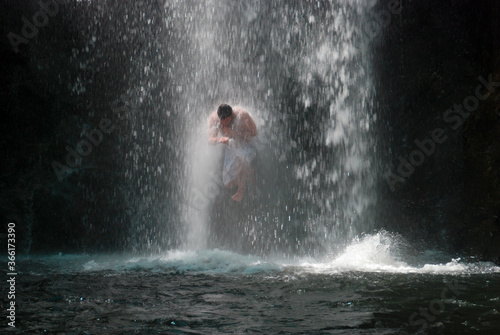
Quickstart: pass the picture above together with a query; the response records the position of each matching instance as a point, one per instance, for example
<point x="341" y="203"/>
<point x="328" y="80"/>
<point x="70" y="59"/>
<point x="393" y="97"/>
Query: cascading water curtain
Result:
<point x="208" y="72"/>
<point x="302" y="71"/>
<point x="336" y="77"/>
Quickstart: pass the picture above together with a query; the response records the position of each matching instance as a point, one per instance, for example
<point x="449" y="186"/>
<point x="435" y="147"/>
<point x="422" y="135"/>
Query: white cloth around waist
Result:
<point x="244" y="152"/>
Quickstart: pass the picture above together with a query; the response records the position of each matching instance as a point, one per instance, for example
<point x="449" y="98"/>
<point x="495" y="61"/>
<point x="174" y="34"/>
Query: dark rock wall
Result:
<point x="428" y="63"/>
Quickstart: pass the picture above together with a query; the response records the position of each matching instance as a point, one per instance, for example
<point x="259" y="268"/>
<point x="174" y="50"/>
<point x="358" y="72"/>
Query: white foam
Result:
<point x="379" y="253"/>
<point x="199" y="261"/>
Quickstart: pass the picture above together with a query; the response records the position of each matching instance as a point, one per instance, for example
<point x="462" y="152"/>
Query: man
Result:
<point x="234" y="128"/>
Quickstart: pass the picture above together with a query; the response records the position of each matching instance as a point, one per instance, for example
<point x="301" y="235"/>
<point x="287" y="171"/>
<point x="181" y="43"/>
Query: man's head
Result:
<point x="225" y="113"/>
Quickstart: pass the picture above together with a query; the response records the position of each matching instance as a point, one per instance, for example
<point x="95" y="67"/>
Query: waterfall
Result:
<point x="302" y="71"/>
<point x="335" y="76"/>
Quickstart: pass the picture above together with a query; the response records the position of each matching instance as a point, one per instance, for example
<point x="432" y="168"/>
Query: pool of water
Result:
<point x="366" y="289"/>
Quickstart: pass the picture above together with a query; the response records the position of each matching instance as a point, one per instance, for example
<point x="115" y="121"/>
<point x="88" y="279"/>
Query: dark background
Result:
<point x="430" y="60"/>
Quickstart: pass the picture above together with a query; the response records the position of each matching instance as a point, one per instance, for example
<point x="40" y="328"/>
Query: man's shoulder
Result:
<point x="240" y="111"/>
<point x="213" y="116"/>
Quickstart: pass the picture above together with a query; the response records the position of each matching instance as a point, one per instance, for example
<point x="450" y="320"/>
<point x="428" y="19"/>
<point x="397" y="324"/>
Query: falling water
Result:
<point x="301" y="71"/>
<point x="335" y="76"/>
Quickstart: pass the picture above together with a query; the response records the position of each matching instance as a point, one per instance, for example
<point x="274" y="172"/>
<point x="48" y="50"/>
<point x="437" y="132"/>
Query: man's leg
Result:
<point x="232" y="184"/>
<point x="230" y="169"/>
<point x="243" y="173"/>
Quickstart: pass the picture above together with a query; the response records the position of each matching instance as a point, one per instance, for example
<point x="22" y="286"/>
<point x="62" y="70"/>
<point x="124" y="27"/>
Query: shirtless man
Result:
<point x="235" y="128"/>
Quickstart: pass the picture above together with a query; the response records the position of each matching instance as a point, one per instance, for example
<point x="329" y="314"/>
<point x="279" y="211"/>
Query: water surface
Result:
<point x="366" y="289"/>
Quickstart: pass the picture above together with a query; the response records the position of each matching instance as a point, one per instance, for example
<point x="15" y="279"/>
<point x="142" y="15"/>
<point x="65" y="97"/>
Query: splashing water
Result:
<point x="379" y="252"/>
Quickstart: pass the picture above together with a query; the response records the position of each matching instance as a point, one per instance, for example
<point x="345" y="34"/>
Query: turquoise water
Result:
<point x="365" y="289"/>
